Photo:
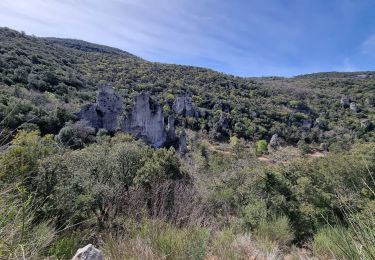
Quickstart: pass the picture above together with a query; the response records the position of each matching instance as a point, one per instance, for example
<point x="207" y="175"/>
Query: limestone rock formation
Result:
<point x="183" y="105"/>
<point x="171" y="131"/>
<point x="88" y="252"/>
<point x="274" y="142"/>
<point x="354" y="107"/>
<point x="182" y="147"/>
<point x="146" y="121"/>
<point x="106" y="113"/>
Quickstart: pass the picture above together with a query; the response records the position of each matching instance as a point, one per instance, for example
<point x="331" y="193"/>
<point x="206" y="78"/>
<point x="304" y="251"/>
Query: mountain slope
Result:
<point x="44" y="81"/>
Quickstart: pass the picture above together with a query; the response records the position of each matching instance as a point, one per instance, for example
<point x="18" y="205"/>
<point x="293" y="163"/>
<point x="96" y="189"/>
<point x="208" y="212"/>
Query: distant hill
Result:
<point x="44" y="82"/>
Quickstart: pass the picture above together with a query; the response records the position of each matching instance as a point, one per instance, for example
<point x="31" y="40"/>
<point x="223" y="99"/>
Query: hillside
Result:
<point x="265" y="168"/>
<point x="53" y="77"/>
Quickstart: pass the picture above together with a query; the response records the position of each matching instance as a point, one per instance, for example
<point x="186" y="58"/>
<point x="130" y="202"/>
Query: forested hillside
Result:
<point x="50" y="78"/>
<point x="273" y="168"/>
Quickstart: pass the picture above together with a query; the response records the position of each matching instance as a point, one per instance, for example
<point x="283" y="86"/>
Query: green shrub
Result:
<point x="222" y="245"/>
<point x="188" y="243"/>
<point x="65" y="247"/>
<point x="261" y="147"/>
<point x="277" y="230"/>
<point x="170" y="96"/>
<point x="166" y="109"/>
<point x="293" y="103"/>
<point x="254" y="213"/>
<point x="303" y="147"/>
<point x="20" y="161"/>
<point x="236" y="145"/>
<point x="300" y="116"/>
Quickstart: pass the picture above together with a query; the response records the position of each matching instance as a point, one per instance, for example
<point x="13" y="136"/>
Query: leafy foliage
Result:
<point x="48" y="87"/>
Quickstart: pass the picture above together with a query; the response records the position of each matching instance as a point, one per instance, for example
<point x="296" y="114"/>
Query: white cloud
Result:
<point x="243" y="37"/>
<point x="368" y="46"/>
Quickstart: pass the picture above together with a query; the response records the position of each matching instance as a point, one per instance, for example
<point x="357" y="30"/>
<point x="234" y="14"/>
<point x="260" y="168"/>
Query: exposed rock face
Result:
<point x="88" y="252"/>
<point x="354" y="107"/>
<point x="182" y="147"/>
<point x="274" y="142"/>
<point x="106" y="113"/>
<point x="171" y="132"/>
<point x="147" y="122"/>
<point x="344" y="102"/>
<point x="183" y="105"/>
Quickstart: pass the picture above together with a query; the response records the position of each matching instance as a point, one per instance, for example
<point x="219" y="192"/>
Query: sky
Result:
<point x="239" y="37"/>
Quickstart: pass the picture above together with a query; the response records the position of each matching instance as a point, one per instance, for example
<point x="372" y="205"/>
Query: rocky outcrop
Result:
<point x="88" y="252"/>
<point x="183" y="105"/>
<point x="171" y="132"/>
<point x="354" y="107"/>
<point x="182" y="147"/>
<point x="274" y="142"/>
<point x="106" y="113"/>
<point x="146" y="121"/>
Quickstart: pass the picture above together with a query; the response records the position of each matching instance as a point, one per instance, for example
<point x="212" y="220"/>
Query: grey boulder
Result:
<point x="88" y="252"/>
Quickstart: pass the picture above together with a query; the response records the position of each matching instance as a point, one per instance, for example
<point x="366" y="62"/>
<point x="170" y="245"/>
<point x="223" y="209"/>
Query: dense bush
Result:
<point x="76" y="135"/>
<point x="261" y="147"/>
<point x="311" y="191"/>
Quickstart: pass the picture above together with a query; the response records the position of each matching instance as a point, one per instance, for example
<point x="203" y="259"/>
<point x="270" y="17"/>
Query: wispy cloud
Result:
<point x="243" y="37"/>
<point x="368" y="46"/>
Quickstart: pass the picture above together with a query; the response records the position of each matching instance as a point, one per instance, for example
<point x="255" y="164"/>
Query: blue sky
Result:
<point x="240" y="37"/>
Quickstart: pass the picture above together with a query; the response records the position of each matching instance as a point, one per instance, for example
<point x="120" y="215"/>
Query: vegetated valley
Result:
<point x="155" y="161"/>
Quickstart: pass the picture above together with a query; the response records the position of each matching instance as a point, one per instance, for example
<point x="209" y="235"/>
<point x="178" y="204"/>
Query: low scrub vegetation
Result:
<point x="64" y="184"/>
<point x="132" y="200"/>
